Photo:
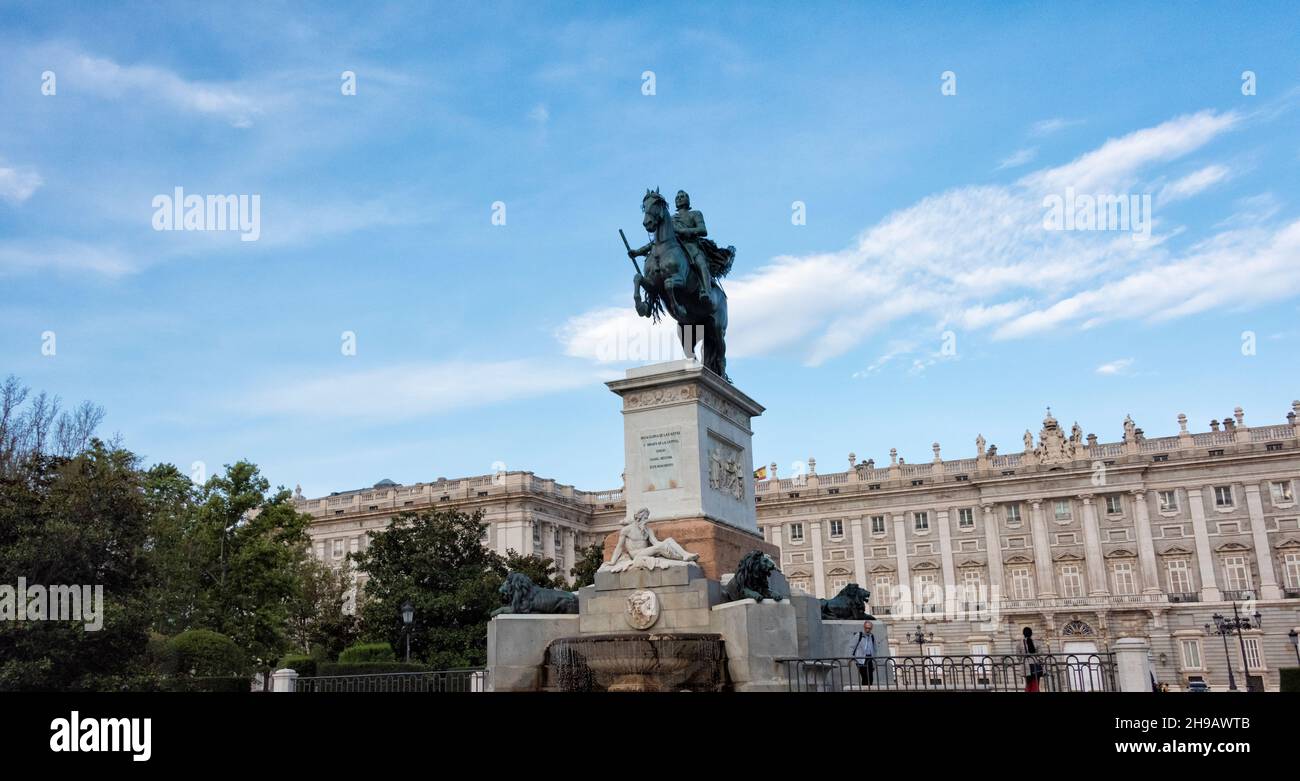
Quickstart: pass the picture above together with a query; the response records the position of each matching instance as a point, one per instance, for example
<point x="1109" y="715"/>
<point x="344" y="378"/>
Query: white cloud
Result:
<point x="1046" y="127"/>
<point x="1193" y="183"/>
<point x="539" y="114"/>
<point x="104" y="77"/>
<point x="1119" y="366"/>
<point x="18" y="257"/>
<point x="979" y="257"/>
<point x="17" y="185"/>
<point x="405" y="391"/>
<point x="1018" y="158"/>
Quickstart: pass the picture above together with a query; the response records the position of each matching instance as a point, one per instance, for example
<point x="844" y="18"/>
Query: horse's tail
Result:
<point x="656" y="304"/>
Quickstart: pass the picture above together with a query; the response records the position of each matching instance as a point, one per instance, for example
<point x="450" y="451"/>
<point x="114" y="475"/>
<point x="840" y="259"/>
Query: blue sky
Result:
<point x="481" y="344"/>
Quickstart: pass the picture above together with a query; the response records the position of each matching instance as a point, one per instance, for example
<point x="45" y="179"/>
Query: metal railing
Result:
<point x="1007" y="672"/>
<point x="466" y="680"/>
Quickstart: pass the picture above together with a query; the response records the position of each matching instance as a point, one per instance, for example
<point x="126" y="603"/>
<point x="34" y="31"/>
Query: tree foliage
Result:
<point x="584" y="569"/>
<point x="436" y="560"/>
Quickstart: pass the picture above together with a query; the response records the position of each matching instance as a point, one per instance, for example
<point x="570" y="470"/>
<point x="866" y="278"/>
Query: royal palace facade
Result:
<point x="1082" y="541"/>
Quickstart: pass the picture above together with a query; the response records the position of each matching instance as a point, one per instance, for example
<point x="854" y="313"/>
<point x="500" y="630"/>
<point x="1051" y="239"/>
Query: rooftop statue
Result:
<point x="638" y="548"/>
<point x="682" y="270"/>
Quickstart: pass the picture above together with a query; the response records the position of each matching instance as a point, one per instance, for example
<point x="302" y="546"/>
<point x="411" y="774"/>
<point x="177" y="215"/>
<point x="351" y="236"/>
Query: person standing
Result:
<point x="1033" y="667"/>
<point x="864" y="654"/>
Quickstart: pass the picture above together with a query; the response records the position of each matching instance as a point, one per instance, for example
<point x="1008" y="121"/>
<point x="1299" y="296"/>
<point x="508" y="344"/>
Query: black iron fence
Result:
<point x="465" y="680"/>
<point x="1007" y="672"/>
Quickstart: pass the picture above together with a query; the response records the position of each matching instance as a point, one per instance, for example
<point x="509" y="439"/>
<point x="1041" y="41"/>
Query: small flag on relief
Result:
<point x="760" y="473"/>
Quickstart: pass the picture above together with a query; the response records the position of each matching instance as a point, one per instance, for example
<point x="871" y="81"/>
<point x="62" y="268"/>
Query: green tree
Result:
<point x="437" y="561"/>
<point x="317" y="621"/>
<point x="589" y="560"/>
<point x="229" y="557"/>
<point x="76" y="521"/>
<point x="539" y="569"/>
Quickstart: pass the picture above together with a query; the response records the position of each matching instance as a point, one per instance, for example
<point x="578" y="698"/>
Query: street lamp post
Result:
<point x="921" y="638"/>
<point x="408" y="615"/>
<point x="1226" y="626"/>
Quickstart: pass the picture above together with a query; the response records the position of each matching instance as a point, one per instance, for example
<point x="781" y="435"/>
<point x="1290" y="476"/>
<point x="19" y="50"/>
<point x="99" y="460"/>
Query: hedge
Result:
<point x="225" y="683"/>
<point x="203" y="653"/>
<point x="369" y="668"/>
<point x="1290" y="679"/>
<point x="367" y="652"/>
<point x="304" y="665"/>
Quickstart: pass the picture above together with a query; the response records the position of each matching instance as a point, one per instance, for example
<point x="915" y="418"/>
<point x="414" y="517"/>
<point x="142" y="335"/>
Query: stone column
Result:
<point x="566" y="536"/>
<point x="819" y="566"/>
<point x="1097" y="584"/>
<point x="1146" y="547"/>
<point x="548" y="540"/>
<point x="1204" y="558"/>
<point x="1268" y="587"/>
<point x="285" y="680"/>
<point x="859" y="553"/>
<point x="1042" y="551"/>
<point x="993" y="547"/>
<point x="1132" y="671"/>
<point x="904" y="571"/>
<point x="945" y="552"/>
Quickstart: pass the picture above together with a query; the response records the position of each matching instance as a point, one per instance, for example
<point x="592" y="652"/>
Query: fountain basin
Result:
<point x="637" y="661"/>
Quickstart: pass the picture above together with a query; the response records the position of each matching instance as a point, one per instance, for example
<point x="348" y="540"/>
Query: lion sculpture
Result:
<point x="752" y="579"/>
<point x="524" y="596"/>
<point x="850" y="603"/>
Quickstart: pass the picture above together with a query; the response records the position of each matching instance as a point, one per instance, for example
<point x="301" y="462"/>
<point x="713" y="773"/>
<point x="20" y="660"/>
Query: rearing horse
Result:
<point x="671" y="283"/>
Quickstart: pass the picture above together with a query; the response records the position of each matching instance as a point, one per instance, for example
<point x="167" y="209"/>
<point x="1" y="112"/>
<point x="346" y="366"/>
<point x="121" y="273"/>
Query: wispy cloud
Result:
<point x="109" y="79"/>
<point x="1119" y="366"/>
<point x="1018" y="158"/>
<point x="24" y="257"/>
<point x="405" y="391"/>
<point x="1046" y="127"/>
<point x="18" y="184"/>
<point x="979" y="257"/>
<point x="1193" y="183"/>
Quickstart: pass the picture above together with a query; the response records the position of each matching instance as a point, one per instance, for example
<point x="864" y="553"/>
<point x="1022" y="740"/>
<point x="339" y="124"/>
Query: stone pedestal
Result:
<point x="756" y="635"/>
<point x="683" y="596"/>
<point x="686" y="445"/>
<point x="517" y="648"/>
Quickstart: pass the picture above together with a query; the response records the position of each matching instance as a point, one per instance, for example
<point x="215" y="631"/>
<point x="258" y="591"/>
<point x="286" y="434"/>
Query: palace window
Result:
<point x="1022" y="583"/>
<point x="837" y="528"/>
<point x="537" y="536"/>
<point x="1236" y="573"/>
<point x="1180" y="577"/>
<point x="1114" y="506"/>
<point x="338" y="549"/>
<point x="1191" y="650"/>
<point x="927" y="596"/>
<point x="966" y="518"/>
<point x="1168" y="501"/>
<point x="838" y="583"/>
<point x="1254" y="660"/>
<point x="558" y="545"/>
<point x="972" y="583"/>
<point x="922" y="520"/>
<point x="1282" y="492"/>
<point x="801" y="584"/>
<point x="796" y="532"/>
<point x="1223" y="496"/>
<point x="1122" y="575"/>
<point x="1071" y="581"/>
<point x="1062" y="509"/>
<point x="1013" y="514"/>
<point x="877" y="524"/>
<point x="883" y="593"/>
<point x="1292" y="566"/>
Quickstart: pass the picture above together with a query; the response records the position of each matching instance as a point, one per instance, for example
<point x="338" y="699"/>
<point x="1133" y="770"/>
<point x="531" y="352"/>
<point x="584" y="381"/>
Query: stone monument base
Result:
<point x="720" y="546"/>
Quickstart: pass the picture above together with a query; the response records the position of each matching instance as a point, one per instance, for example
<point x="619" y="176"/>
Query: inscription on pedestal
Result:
<point x="660" y="459"/>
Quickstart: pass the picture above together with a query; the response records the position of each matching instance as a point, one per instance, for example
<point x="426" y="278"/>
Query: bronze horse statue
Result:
<point x="672" y="284"/>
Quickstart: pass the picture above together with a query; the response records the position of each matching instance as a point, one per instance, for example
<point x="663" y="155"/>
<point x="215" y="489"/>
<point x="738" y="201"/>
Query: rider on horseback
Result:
<point x="689" y="225"/>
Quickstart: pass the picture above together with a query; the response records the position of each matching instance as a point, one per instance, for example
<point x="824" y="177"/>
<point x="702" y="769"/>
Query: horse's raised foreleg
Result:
<point x="642" y="307"/>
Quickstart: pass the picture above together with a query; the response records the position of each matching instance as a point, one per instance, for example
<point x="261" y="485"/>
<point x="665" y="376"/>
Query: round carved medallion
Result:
<point x="642" y="609"/>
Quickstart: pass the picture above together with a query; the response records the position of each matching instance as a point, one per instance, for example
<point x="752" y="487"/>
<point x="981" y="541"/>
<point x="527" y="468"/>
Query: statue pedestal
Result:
<point x="688" y="454"/>
<point x="686" y="445"/>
